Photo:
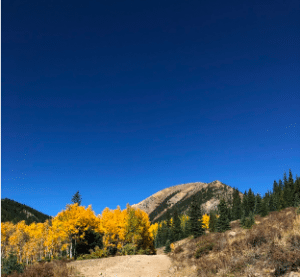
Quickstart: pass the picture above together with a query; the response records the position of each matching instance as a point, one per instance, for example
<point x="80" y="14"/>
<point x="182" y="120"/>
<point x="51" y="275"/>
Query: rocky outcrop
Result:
<point x="183" y="191"/>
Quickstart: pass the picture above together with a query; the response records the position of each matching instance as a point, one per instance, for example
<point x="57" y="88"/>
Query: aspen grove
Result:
<point x="39" y="241"/>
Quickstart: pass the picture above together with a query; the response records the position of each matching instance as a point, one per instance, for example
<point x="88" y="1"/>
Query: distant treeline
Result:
<point x="15" y="212"/>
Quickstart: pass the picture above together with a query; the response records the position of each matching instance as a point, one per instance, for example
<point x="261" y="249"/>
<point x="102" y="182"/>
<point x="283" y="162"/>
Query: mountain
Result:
<point x="180" y="197"/>
<point x="15" y="212"/>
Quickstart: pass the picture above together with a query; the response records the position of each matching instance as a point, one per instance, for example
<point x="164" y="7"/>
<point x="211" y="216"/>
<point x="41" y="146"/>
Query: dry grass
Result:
<point x="270" y="248"/>
<point x="48" y="269"/>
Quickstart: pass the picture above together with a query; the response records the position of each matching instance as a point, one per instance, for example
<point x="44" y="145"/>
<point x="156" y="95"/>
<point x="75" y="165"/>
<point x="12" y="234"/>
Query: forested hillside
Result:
<point x="15" y="212"/>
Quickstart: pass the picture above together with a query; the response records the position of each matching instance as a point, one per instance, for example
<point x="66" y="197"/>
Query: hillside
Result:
<point x="180" y="197"/>
<point x="14" y="211"/>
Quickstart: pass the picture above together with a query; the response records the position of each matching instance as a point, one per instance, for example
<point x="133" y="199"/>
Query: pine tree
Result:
<point x="164" y="233"/>
<point x="264" y="210"/>
<point x="281" y="204"/>
<point x="223" y="222"/>
<point x="76" y="198"/>
<point x="258" y="200"/>
<point x="168" y="218"/>
<point x="243" y="219"/>
<point x="236" y="205"/>
<point x="290" y="180"/>
<point x="245" y="206"/>
<point x="178" y="234"/>
<point x="196" y="224"/>
<point x="171" y="236"/>
<point x="158" y="239"/>
<point x="275" y="187"/>
<point x="212" y="221"/>
<point x="168" y="247"/>
<point x="272" y="204"/>
<point x="251" y="219"/>
<point x="251" y="200"/>
<point x="296" y="201"/>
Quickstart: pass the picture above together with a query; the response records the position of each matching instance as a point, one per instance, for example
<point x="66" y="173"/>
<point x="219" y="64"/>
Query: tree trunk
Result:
<point x="71" y="250"/>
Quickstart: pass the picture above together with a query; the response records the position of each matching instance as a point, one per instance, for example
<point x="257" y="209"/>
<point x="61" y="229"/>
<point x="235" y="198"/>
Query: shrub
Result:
<point x="178" y="249"/>
<point x="205" y="247"/>
<point x="129" y="249"/>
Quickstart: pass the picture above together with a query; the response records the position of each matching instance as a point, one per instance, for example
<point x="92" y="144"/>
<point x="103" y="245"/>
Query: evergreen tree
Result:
<point x="76" y="198"/>
<point x="296" y="201"/>
<point x="251" y="200"/>
<point x="196" y="223"/>
<point x="249" y="221"/>
<point x="280" y="185"/>
<point x="264" y="210"/>
<point x="168" y="247"/>
<point x="243" y="219"/>
<point x="158" y="238"/>
<point x="257" y="209"/>
<point x="275" y="188"/>
<point x="290" y="180"/>
<point x="178" y="234"/>
<point x="245" y="206"/>
<point x="281" y="203"/>
<point x="212" y="221"/>
<point x="272" y="204"/>
<point x="223" y="222"/>
<point x="236" y="205"/>
<point x="164" y="233"/>
<point x="168" y="218"/>
<point x="171" y="235"/>
<point x="285" y="181"/>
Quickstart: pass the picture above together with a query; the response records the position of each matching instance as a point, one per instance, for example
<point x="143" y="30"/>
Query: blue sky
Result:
<point x="121" y="99"/>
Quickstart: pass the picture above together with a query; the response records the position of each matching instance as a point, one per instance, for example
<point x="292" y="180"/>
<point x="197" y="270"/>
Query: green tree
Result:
<point x="249" y="221"/>
<point x="258" y="200"/>
<point x="168" y="218"/>
<point x="251" y="200"/>
<point x="164" y="233"/>
<point x="243" y="219"/>
<point x="264" y="209"/>
<point x="223" y="221"/>
<point x="236" y="205"/>
<point x="212" y="221"/>
<point x="196" y="223"/>
<point x="76" y="198"/>
<point x="178" y="234"/>
<point x="168" y="247"/>
<point x="245" y="205"/>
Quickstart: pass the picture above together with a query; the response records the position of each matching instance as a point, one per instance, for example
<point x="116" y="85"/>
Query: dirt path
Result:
<point x="125" y="266"/>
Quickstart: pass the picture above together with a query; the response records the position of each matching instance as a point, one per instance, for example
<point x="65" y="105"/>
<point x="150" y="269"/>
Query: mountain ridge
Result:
<point x="158" y="203"/>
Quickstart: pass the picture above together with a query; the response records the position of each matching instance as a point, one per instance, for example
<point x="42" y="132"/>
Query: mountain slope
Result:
<point x="180" y="197"/>
<point x="15" y="212"/>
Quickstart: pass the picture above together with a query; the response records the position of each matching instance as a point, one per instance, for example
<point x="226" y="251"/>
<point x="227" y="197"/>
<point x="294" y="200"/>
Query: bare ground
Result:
<point x="134" y="266"/>
<point x="125" y="266"/>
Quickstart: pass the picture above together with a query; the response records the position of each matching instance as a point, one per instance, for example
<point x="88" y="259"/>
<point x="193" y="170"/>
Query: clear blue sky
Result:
<point x="121" y="99"/>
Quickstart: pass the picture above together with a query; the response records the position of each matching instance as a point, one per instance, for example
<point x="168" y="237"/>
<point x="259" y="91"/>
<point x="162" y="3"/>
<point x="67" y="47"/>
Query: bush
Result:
<point x="205" y="247"/>
<point x="99" y="253"/>
<point x="178" y="249"/>
<point x="129" y="249"/>
<point x="11" y="264"/>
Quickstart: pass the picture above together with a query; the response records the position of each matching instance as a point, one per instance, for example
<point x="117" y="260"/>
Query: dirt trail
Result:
<point x="125" y="266"/>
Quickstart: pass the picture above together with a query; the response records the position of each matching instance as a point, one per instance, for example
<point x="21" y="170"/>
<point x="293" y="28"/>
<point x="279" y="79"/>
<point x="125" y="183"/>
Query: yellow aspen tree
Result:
<point x="18" y="239"/>
<point x="111" y="228"/>
<point x="205" y="220"/>
<point x="76" y="219"/>
<point x="7" y="229"/>
<point x="153" y="230"/>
